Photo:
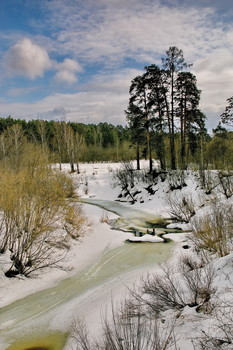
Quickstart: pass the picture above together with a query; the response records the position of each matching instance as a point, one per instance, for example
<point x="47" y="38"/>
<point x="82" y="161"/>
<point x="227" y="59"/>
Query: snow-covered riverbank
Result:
<point x="95" y="182"/>
<point x="98" y="239"/>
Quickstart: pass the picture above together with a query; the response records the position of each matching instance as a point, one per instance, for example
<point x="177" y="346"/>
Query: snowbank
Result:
<point x="95" y="181"/>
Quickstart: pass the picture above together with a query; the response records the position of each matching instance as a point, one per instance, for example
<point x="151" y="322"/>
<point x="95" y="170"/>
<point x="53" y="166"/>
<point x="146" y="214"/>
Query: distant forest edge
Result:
<point x="70" y="142"/>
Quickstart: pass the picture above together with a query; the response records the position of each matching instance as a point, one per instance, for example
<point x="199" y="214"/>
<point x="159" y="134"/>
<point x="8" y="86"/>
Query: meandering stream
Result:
<point x="38" y="317"/>
<point x="130" y="219"/>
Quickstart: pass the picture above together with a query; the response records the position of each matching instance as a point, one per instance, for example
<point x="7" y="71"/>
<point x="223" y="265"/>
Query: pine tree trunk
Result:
<point x="172" y="137"/>
<point x="138" y="157"/>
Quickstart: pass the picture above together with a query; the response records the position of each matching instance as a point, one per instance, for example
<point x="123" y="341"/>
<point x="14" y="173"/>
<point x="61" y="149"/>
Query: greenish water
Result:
<point x="30" y="318"/>
<point x="23" y="313"/>
<point x="52" y="341"/>
<point x="130" y="218"/>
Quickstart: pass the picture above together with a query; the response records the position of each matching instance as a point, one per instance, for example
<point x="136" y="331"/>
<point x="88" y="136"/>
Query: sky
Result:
<point x="74" y="60"/>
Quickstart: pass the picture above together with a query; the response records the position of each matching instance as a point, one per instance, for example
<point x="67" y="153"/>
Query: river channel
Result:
<point x="42" y="320"/>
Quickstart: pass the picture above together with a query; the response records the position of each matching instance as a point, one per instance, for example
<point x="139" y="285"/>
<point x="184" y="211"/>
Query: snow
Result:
<point x="146" y="238"/>
<point x="95" y="182"/>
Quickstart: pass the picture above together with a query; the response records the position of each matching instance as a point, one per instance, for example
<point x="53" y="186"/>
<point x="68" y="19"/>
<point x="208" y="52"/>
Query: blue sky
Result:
<point x="74" y="59"/>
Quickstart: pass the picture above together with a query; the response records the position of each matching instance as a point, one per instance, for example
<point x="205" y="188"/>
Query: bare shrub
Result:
<point x="151" y="178"/>
<point x="188" y="262"/>
<point x="161" y="291"/>
<point x="199" y="283"/>
<point x="209" y="180"/>
<point x="81" y="336"/>
<point x="176" y="179"/>
<point x="67" y="185"/>
<point x="124" y="177"/>
<point x="220" y="335"/>
<point x="181" y="208"/>
<point x="226" y="182"/>
<point x="145" y="177"/>
<point x="31" y="209"/>
<point x="169" y="289"/>
<point x="214" y="231"/>
<point x="124" y="332"/>
<point x="86" y="184"/>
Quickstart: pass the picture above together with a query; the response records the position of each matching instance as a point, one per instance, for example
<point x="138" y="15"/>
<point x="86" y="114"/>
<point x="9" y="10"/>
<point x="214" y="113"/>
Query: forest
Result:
<point x="71" y="142"/>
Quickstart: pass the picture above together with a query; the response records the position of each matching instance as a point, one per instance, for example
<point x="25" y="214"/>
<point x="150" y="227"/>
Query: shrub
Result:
<point x="124" y="332"/>
<point x="176" y="180"/>
<point x="209" y="180"/>
<point x="33" y="204"/>
<point x="75" y="221"/>
<point x="169" y="289"/>
<point x="124" y="177"/>
<point x="181" y="208"/>
<point x="226" y="182"/>
<point x="220" y="335"/>
<point x="214" y="231"/>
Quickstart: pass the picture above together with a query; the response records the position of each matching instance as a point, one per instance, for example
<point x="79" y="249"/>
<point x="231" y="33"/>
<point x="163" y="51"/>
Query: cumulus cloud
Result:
<point x="66" y="76"/>
<point x="67" y="70"/>
<point x="28" y="59"/>
<point x="70" y="65"/>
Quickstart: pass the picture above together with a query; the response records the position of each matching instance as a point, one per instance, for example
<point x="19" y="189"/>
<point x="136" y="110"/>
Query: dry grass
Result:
<point x="214" y="232"/>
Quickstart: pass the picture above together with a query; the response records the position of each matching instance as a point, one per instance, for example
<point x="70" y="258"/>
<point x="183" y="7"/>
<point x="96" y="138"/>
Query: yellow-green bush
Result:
<point x="33" y="204"/>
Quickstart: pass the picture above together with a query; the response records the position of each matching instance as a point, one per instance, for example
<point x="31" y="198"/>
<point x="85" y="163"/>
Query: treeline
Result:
<point x="76" y="142"/>
<point x="68" y="142"/>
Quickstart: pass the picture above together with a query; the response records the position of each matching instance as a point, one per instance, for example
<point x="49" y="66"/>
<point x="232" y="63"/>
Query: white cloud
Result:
<point x="65" y="76"/>
<point x="70" y="65"/>
<point x="21" y="91"/>
<point x="104" y="99"/>
<point x="133" y="29"/>
<point x="28" y="59"/>
<point x="67" y="71"/>
<point x="214" y="73"/>
<point x="83" y="107"/>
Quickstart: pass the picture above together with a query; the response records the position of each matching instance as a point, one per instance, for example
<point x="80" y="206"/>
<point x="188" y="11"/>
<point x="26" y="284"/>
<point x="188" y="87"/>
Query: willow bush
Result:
<point x="34" y="204"/>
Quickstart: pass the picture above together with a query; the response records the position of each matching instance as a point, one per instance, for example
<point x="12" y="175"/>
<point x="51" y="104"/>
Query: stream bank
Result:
<point x="82" y="293"/>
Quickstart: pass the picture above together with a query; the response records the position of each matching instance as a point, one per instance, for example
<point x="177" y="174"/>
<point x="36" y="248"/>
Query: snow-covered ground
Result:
<point x="95" y="182"/>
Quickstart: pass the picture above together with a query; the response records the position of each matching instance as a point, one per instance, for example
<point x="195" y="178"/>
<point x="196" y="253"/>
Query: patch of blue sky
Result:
<point x="17" y="15"/>
<point x="21" y="89"/>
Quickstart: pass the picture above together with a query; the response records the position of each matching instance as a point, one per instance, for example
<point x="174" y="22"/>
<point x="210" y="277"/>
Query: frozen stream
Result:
<point x="47" y="314"/>
<point x="129" y="217"/>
